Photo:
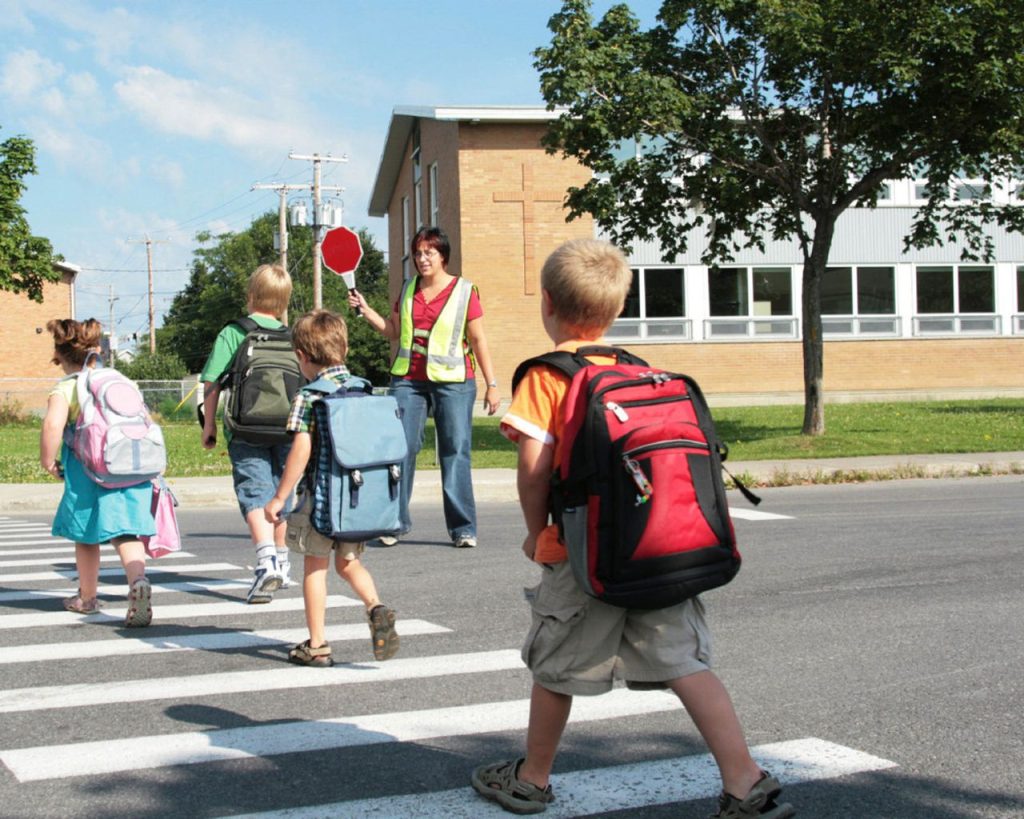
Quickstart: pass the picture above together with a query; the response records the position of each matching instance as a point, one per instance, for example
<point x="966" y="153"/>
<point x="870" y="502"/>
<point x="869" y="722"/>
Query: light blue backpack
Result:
<point x="359" y="450"/>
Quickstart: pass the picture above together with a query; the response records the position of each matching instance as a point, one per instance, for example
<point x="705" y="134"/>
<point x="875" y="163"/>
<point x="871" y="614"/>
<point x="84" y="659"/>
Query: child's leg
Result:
<point x="355" y="574"/>
<point x="711" y="709"/>
<point x="133" y="557"/>
<point x="314" y="596"/>
<point x="549" y="712"/>
<point x="87" y="561"/>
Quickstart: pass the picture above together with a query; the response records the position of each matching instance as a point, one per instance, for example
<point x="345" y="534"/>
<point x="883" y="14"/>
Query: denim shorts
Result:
<point x="256" y="471"/>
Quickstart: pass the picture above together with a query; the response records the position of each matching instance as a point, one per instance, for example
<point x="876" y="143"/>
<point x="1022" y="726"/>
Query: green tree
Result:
<point x="159" y="366"/>
<point x="219" y="280"/>
<point x="26" y="261"/>
<point x="763" y="118"/>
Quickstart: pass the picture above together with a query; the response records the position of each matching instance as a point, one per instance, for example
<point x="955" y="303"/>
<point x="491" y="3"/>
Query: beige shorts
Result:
<point x="303" y="539"/>
<point x="579" y="645"/>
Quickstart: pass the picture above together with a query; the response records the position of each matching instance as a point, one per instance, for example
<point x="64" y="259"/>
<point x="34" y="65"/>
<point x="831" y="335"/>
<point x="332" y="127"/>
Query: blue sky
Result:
<point x="156" y="118"/>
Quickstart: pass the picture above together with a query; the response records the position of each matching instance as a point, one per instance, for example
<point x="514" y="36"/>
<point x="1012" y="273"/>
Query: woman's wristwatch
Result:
<point x="492" y="384"/>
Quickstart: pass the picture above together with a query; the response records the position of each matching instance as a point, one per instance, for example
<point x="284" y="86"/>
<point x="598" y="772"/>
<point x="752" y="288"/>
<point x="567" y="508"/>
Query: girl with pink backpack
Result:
<point x="90" y="514"/>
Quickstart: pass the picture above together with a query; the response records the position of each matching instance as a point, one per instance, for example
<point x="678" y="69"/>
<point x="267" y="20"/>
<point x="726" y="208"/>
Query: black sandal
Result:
<point x="304" y="654"/>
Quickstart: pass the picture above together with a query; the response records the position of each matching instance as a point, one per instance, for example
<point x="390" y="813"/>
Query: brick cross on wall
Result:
<point x="528" y="195"/>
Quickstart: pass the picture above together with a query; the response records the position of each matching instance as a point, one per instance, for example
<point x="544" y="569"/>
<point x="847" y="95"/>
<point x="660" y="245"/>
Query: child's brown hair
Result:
<point x="270" y="288"/>
<point x="322" y="336"/>
<point x="588" y="281"/>
<point x="74" y="340"/>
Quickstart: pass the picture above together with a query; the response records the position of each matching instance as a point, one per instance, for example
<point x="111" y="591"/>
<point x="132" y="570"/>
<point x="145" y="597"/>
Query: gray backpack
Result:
<point x="263" y="379"/>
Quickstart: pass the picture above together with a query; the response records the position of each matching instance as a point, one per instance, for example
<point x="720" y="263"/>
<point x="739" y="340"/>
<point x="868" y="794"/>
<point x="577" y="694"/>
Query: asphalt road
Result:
<point x="872" y="644"/>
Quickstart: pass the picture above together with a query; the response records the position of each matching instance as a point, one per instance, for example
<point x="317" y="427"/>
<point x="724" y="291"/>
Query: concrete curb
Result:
<point x="499" y="485"/>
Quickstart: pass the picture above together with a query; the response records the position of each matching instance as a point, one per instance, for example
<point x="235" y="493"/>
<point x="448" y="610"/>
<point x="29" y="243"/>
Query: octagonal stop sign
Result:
<point x="341" y="250"/>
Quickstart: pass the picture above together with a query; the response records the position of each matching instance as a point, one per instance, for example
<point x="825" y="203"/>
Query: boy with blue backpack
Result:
<point x="320" y="339"/>
<point x="580" y="644"/>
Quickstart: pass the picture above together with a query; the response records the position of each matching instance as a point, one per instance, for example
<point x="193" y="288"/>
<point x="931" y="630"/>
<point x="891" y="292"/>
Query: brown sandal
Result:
<point x="81" y="606"/>
<point x="304" y="654"/>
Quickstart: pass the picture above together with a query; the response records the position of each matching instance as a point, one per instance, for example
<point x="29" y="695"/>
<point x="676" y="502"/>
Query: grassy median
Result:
<point x="752" y="434"/>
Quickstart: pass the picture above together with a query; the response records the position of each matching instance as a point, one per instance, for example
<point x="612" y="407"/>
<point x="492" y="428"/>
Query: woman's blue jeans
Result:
<point x="452" y="408"/>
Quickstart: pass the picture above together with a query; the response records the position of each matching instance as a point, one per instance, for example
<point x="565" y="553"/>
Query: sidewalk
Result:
<point x="499" y="485"/>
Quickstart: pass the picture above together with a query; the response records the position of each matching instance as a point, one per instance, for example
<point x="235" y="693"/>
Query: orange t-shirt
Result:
<point x="536" y="412"/>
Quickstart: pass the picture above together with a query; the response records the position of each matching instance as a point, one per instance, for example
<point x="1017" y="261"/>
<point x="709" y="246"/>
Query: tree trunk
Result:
<point x="813" y="344"/>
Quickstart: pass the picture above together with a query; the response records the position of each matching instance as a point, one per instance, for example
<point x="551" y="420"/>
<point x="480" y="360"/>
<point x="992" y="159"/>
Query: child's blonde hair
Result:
<point x="322" y="336"/>
<point x="74" y="340"/>
<point x="270" y="288"/>
<point x="588" y="281"/>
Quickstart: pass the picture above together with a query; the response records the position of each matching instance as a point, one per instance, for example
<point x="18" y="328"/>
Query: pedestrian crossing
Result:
<point x="107" y="701"/>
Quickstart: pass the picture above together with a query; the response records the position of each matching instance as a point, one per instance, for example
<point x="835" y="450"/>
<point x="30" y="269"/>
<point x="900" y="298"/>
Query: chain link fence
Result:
<point x="28" y="396"/>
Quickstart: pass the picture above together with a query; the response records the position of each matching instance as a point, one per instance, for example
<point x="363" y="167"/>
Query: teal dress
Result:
<point x="88" y="513"/>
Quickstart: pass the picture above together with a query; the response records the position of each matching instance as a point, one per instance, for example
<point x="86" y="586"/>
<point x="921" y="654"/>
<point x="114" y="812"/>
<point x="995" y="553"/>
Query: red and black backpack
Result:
<point x="639" y="497"/>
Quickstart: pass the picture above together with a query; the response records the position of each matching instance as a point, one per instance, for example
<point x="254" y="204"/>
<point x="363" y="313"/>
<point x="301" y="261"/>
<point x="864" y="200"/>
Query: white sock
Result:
<point x="266" y="553"/>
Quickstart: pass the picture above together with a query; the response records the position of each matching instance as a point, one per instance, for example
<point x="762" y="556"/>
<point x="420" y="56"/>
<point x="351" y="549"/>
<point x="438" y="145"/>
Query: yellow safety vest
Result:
<point x="442" y="344"/>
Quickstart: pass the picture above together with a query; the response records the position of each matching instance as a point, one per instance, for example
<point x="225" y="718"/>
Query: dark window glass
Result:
<point x="976" y="290"/>
<point x="935" y="290"/>
<point x="773" y="286"/>
<point x="727" y="291"/>
<point x="1020" y="289"/>
<point x="664" y="292"/>
<point x="876" y="290"/>
<point x="837" y="292"/>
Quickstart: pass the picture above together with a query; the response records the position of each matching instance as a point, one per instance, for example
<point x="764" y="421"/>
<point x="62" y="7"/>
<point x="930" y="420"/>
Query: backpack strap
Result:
<point x="571" y="363"/>
<point x="352" y="383"/>
<point x="245" y="323"/>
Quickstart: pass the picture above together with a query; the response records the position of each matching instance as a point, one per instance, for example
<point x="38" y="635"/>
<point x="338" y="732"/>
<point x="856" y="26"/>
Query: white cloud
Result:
<point x="168" y="172"/>
<point x="26" y="74"/>
<point x="189" y="108"/>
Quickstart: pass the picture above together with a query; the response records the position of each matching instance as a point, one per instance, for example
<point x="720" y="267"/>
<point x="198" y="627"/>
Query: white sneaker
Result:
<point x="285" y="566"/>
<point x="464" y="542"/>
<point x="267" y="580"/>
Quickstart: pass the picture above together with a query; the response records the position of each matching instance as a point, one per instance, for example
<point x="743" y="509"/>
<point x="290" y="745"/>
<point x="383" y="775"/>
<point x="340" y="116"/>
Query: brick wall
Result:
<point x="27" y="353"/>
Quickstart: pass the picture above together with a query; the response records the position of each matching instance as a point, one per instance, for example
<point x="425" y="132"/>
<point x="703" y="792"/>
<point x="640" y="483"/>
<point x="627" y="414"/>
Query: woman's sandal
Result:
<point x="304" y="654"/>
<point x="80" y="606"/>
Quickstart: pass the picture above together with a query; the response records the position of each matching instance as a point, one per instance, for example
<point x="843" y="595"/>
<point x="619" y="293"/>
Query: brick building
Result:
<point x="897" y="323"/>
<point x="26" y="372"/>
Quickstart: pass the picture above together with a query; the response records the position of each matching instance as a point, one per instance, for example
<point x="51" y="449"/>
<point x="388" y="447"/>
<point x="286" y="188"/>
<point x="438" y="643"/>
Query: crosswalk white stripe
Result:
<point x="43" y="549"/>
<point x="152" y="568"/>
<point x="163" y="613"/>
<point x="80" y="759"/>
<point x="108" y="592"/>
<point x="756" y="514"/>
<point x="103" y="558"/>
<point x="614" y="788"/>
<point x="234" y="682"/>
<point x="217" y="641"/>
<point x="23" y="527"/>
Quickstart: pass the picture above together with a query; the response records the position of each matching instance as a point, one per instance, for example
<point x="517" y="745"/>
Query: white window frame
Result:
<point x="955" y="323"/>
<point x="406" y="238"/>
<point x="751" y="326"/>
<point x="857" y="323"/>
<point x="654" y="330"/>
<point x="432" y="176"/>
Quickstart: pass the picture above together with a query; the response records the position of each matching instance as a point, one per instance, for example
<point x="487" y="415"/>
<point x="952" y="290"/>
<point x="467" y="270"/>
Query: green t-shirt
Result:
<point x="228" y="341"/>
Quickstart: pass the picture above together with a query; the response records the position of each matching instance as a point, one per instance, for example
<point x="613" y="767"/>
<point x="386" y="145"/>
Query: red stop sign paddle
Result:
<point x="341" y="252"/>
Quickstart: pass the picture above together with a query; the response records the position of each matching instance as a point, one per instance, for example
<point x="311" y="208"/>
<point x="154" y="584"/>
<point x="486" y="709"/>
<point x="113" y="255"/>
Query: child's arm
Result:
<point x="533" y="477"/>
<point x="211" y="392"/>
<point x="52" y="431"/>
<point x="294" y="466"/>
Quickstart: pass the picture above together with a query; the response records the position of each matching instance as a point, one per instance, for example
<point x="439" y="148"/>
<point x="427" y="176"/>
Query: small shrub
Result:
<point x="12" y="412"/>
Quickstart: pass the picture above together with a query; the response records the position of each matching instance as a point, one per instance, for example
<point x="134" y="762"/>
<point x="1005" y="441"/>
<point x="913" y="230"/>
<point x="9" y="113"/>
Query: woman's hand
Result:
<point x="492" y="398"/>
<point x="356" y="301"/>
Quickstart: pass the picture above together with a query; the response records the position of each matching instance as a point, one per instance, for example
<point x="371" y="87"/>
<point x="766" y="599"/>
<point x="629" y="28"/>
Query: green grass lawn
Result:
<point x="752" y="433"/>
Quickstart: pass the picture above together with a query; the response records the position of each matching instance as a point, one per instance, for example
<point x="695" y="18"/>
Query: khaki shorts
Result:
<point x="579" y="645"/>
<point x="303" y="539"/>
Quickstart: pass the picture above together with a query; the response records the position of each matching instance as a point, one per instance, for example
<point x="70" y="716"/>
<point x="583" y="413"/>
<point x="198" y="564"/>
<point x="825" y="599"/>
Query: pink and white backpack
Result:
<point x="114" y="437"/>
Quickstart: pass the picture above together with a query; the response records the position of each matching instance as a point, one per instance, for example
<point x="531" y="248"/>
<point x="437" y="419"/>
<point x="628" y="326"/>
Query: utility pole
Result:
<point x="282" y="216"/>
<point x="316" y="159"/>
<point x="149" y="266"/>
<point x="113" y="333"/>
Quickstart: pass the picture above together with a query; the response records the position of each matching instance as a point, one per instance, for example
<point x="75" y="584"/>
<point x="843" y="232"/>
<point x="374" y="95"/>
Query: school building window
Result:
<point x="433" y="194"/>
<point x="750" y="301"/>
<point x="1018" y="319"/>
<point x="406" y="237"/>
<point x="417" y="179"/>
<point x="955" y="299"/>
<point x="859" y="301"/>
<point x="655" y="307"/>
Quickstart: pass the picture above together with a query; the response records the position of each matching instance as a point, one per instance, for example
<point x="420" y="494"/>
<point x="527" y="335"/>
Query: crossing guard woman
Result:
<point x="438" y="324"/>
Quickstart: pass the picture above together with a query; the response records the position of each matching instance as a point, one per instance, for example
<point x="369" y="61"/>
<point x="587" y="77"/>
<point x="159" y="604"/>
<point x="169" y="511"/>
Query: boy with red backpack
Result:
<point x="584" y="286"/>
